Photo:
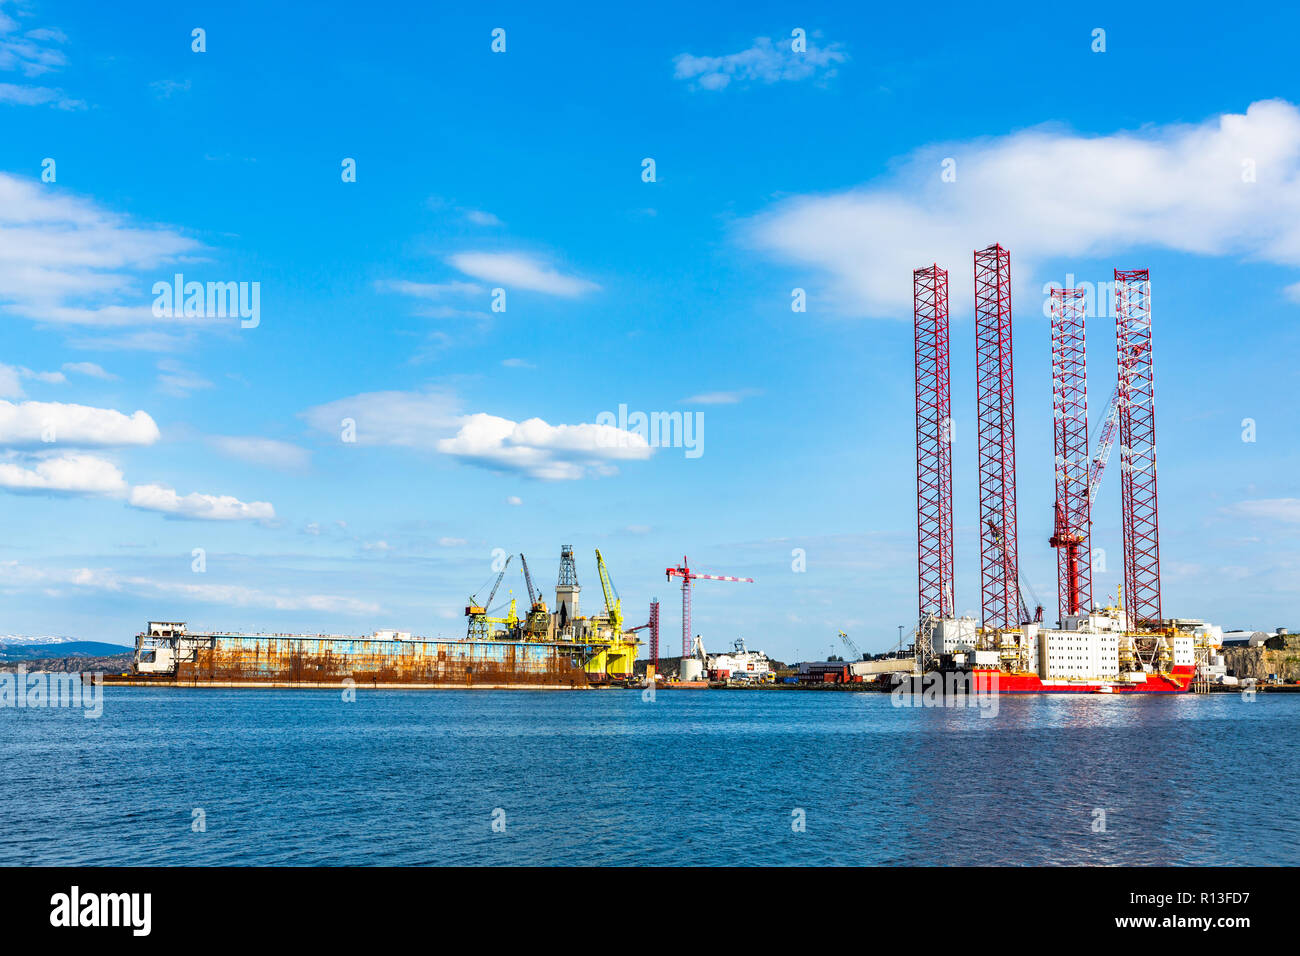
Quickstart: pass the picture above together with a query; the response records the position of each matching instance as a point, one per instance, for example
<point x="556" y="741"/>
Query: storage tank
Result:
<point x="692" y="669"/>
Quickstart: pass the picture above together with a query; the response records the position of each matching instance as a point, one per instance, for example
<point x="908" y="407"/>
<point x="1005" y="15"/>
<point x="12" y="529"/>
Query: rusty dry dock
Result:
<point x="173" y="657"/>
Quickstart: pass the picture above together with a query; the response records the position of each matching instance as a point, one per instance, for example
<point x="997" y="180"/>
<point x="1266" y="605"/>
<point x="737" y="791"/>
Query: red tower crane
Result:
<point x="997" y="438"/>
<point x="1137" y="446"/>
<point x="687" y="575"/>
<point x="1072" y="526"/>
<point x="933" y="443"/>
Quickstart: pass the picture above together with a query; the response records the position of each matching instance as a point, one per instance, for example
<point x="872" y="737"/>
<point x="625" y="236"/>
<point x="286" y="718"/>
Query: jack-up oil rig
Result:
<point x="1123" y="646"/>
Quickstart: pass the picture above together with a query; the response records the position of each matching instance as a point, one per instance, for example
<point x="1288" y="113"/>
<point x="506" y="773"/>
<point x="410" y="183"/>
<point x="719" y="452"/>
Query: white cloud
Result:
<point x="1050" y="193"/>
<point x="32" y="53"/>
<point x="437" y="294"/>
<point x="67" y="261"/>
<point x="67" y="474"/>
<point x="141" y="341"/>
<point x="13" y="574"/>
<point x="166" y="89"/>
<point x="519" y="271"/>
<point x="262" y="451"/>
<point x="176" y="380"/>
<point x="481" y="218"/>
<point x="514" y="500"/>
<point x="431" y="420"/>
<point x="763" y="62"/>
<point x="11" y="378"/>
<point x="721" y="398"/>
<point x="238" y="596"/>
<point x="16" y="95"/>
<point x="1286" y="510"/>
<point x="429" y="290"/>
<point x="89" y="369"/>
<point x="517" y="363"/>
<point x="452" y="542"/>
<point x="25" y="426"/>
<point x="31" y="423"/>
<point x="198" y="506"/>
<point x="405" y="419"/>
<point x="11" y="385"/>
<point x="541" y="450"/>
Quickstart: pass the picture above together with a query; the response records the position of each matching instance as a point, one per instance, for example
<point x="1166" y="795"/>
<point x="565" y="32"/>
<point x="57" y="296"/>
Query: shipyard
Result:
<point x="1120" y="645"/>
<point x="360" y="526"/>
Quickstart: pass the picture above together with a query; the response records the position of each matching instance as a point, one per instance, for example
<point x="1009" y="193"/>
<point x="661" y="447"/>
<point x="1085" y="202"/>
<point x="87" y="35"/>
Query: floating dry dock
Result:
<point x="167" y="654"/>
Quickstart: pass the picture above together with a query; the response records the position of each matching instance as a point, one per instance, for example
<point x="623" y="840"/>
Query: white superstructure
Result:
<point x="740" y="663"/>
<point x="953" y="635"/>
<point x="1087" y="647"/>
<point x="1078" y="654"/>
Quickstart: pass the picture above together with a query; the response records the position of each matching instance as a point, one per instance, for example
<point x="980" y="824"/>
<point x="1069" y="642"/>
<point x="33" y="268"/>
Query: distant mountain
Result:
<point x="7" y="639"/>
<point x="31" y="652"/>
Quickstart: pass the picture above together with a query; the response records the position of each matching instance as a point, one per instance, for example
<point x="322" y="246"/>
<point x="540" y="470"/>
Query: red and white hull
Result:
<point x="989" y="680"/>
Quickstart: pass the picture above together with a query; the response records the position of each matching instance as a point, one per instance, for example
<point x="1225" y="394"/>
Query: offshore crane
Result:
<point x="853" y="648"/>
<point x="538" y="621"/>
<point x="613" y="603"/>
<point x="528" y="581"/>
<point x="1105" y="442"/>
<point x="1025" y="616"/>
<point x="478" y="613"/>
<point x="1062" y="536"/>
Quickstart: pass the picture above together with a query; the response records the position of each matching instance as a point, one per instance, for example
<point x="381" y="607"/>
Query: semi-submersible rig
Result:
<point x="610" y="650"/>
<point x="545" y="648"/>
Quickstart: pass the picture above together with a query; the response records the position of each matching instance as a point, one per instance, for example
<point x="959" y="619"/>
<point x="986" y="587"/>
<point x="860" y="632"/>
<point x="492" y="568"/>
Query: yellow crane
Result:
<point x="538" y="621"/>
<point x="616" y="651"/>
<point x="613" y="603"/>
<point x="478" y="613"/>
<point x="853" y="648"/>
<point x="511" y="620"/>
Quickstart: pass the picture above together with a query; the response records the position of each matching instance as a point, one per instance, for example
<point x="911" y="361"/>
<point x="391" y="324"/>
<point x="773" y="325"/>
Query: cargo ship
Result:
<point x="1097" y="653"/>
<point x="558" y="649"/>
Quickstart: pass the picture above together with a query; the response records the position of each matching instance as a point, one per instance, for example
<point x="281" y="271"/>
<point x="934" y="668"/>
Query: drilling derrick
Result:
<point x="1072" y="526"/>
<point x="933" y="444"/>
<point x="1137" y="447"/>
<point x="567" y="589"/>
<point x="997" y="440"/>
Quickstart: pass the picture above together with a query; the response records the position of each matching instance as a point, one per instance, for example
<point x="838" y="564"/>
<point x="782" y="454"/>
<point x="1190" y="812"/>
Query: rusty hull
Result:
<point x="257" y="660"/>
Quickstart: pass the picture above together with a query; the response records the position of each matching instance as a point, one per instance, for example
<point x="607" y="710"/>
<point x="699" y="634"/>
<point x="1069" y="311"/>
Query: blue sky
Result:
<point x="523" y="171"/>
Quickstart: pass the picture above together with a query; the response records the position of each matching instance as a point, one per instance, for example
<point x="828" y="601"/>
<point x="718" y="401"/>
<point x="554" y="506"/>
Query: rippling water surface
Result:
<point x="695" y="777"/>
